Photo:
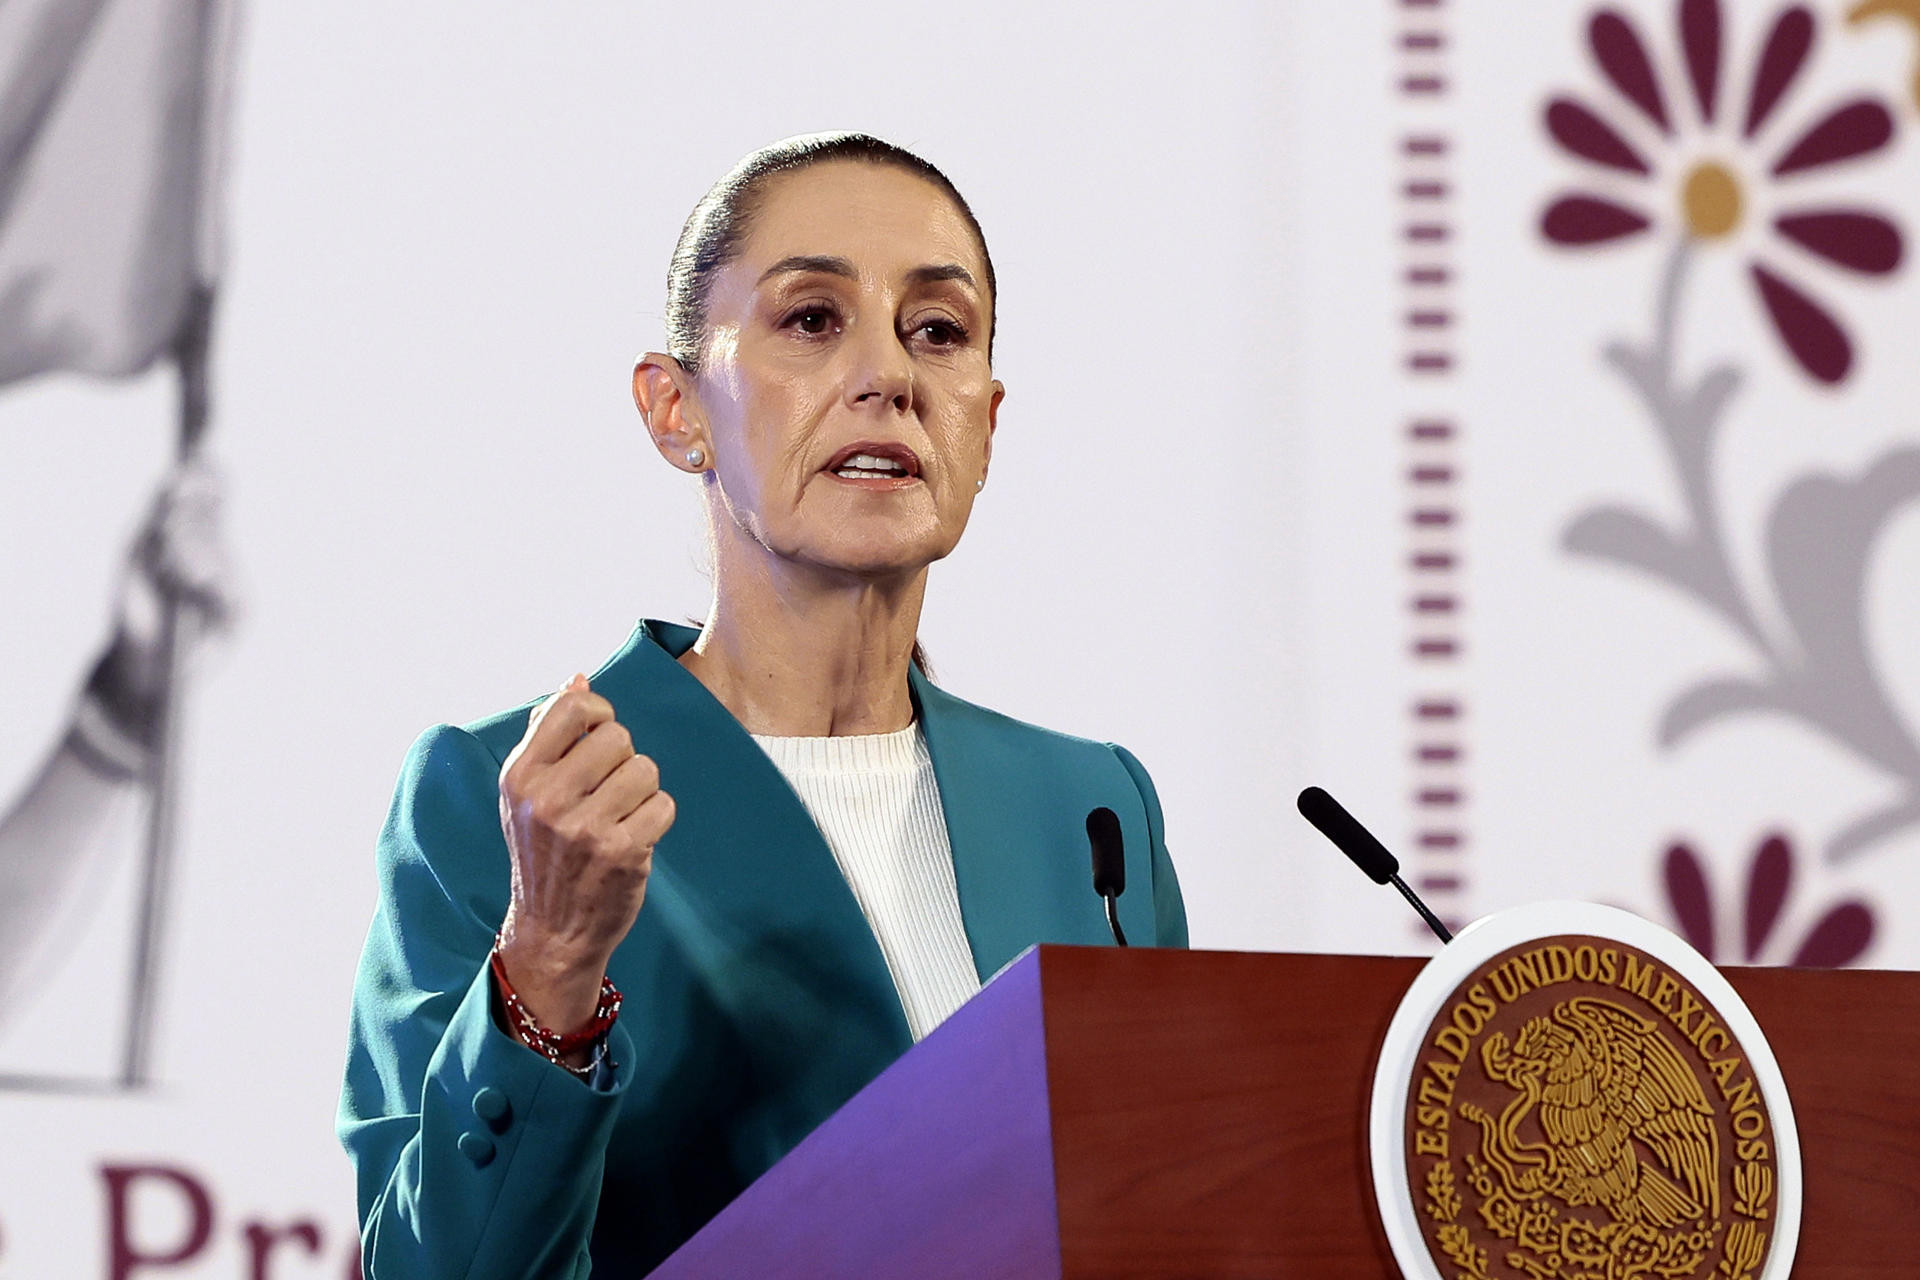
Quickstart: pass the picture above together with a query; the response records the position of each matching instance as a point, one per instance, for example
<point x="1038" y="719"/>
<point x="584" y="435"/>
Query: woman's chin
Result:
<point x="878" y="558"/>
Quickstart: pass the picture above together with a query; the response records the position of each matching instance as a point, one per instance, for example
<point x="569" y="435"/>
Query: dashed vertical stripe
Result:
<point x="1436" y="847"/>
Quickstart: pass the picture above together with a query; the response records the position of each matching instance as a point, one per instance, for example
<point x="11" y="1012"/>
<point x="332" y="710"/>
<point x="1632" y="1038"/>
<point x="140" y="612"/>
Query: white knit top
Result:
<point x="874" y="798"/>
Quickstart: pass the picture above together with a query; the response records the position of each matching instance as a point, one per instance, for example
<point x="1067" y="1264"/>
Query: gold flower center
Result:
<point x="1711" y="200"/>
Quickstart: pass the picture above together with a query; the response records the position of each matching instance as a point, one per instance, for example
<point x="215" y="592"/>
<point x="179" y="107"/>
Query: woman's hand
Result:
<point x="581" y="813"/>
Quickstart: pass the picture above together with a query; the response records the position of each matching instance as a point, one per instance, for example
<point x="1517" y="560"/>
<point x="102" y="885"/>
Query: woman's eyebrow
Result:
<point x="810" y="262"/>
<point x="827" y="264"/>
<point x="942" y="271"/>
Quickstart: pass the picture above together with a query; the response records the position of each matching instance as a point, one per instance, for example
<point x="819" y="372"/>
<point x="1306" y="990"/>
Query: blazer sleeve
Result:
<point x="474" y="1157"/>
<point x="1169" y="909"/>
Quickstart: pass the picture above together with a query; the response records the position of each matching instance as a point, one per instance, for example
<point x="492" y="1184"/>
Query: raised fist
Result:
<point x="582" y="813"/>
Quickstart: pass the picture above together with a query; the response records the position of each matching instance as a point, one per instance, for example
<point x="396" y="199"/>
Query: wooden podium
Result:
<point x="1146" y="1114"/>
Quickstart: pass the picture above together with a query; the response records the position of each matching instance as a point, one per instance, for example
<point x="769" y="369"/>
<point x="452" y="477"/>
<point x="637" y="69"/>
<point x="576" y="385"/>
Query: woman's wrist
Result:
<point x="565" y="1021"/>
<point x="558" y="982"/>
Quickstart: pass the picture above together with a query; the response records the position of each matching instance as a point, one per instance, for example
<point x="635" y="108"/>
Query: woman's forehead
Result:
<point x="884" y="220"/>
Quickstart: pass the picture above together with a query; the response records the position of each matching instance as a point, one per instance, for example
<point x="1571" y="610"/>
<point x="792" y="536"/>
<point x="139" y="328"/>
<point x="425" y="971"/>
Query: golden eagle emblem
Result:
<point x="1626" y="1125"/>
<point x="1580" y="1112"/>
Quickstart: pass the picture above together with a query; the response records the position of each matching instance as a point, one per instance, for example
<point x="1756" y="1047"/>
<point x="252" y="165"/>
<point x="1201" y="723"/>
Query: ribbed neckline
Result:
<point x="901" y="751"/>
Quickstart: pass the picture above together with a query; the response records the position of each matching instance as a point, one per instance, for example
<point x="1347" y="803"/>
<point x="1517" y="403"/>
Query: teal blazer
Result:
<point x="757" y="1000"/>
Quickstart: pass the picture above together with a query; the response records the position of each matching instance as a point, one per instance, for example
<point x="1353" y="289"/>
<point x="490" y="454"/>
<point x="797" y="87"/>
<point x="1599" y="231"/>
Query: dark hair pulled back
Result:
<point x="719" y="224"/>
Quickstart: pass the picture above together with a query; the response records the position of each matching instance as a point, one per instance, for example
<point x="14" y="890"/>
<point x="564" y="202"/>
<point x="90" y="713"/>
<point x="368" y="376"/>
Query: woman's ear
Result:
<point x="669" y="405"/>
<point x="993" y="424"/>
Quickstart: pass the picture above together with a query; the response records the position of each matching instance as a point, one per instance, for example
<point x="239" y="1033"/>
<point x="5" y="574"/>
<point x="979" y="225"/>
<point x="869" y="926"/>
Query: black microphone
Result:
<point x="1109" y="864"/>
<point x="1359" y="844"/>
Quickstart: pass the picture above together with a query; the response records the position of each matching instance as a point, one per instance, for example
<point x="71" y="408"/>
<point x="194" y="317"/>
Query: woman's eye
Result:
<point x="812" y="319"/>
<point x="942" y="333"/>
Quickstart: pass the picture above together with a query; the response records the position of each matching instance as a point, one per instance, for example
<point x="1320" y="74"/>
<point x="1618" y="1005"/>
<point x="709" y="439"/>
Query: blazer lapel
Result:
<point x="1013" y="834"/>
<point x="746" y="884"/>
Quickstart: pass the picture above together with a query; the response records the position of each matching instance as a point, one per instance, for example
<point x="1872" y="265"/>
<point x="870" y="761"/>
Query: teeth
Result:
<point x="862" y="465"/>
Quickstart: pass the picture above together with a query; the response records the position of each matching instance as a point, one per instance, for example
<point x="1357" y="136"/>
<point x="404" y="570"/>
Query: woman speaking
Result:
<point x="636" y="940"/>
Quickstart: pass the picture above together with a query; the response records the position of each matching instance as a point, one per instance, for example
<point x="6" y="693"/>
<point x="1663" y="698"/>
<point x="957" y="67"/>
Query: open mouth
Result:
<point x="875" y="462"/>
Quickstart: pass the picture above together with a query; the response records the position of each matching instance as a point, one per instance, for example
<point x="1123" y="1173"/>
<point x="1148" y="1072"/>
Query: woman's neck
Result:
<point x="796" y="653"/>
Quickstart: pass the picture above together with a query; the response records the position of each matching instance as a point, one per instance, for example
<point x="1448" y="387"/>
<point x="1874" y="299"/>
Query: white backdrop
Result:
<point x="449" y="227"/>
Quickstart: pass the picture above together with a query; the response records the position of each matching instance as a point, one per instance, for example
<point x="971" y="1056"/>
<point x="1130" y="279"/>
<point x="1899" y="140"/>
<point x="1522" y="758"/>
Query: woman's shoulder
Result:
<point x="446" y="757"/>
<point x="1010" y="744"/>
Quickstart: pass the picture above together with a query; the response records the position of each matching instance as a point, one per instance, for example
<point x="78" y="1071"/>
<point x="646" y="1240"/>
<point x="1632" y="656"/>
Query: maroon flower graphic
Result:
<point x="1838" y="938"/>
<point x="1696" y="150"/>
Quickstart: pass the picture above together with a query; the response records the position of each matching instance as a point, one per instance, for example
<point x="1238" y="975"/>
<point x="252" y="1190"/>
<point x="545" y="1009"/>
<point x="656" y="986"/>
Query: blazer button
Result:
<point x="491" y="1105"/>
<point x="477" y="1147"/>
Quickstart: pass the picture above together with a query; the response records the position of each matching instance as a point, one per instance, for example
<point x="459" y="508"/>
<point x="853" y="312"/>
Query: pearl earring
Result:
<point x="979" y="484"/>
<point x="696" y="458"/>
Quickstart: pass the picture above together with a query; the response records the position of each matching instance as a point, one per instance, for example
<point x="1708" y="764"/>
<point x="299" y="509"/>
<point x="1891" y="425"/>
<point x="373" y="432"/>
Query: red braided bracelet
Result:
<point x="550" y="1044"/>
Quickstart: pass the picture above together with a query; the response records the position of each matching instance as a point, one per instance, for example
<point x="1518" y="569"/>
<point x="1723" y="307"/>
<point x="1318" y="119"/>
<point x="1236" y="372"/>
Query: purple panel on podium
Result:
<point x="861" y="1197"/>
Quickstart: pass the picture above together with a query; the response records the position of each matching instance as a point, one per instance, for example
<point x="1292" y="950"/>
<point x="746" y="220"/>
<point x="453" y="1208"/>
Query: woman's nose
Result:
<point x="883" y="374"/>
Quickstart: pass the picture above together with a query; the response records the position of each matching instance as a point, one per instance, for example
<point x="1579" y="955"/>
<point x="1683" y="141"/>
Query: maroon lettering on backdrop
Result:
<point x="130" y="1253"/>
<point x="123" y="1257"/>
<point x="262" y="1240"/>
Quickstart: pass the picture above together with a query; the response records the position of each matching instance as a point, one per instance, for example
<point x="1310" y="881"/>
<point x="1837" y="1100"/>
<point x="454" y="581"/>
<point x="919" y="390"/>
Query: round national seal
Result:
<point x="1569" y="1092"/>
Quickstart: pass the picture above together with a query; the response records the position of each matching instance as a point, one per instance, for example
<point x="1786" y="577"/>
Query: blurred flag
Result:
<point x="111" y="138"/>
<point x="108" y="151"/>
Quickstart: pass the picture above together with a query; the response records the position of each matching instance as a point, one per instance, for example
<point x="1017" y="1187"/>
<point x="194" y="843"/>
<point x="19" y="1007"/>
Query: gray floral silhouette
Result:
<point x="1820" y="534"/>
